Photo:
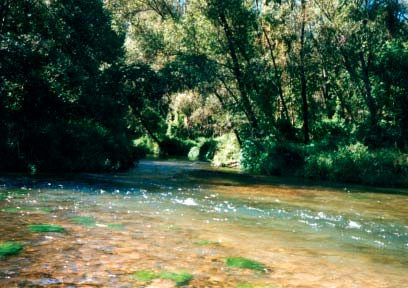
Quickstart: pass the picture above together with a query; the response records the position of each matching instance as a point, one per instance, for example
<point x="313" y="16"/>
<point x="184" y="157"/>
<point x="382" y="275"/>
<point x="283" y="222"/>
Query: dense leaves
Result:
<point x="57" y="110"/>
<point x="306" y="88"/>
<point x="299" y="83"/>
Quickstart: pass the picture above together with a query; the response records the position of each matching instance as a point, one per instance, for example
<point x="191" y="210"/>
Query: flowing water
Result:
<point x="184" y="216"/>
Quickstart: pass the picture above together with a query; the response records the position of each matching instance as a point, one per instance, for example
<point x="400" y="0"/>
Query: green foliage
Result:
<point x="207" y="149"/>
<point x="147" y="146"/>
<point x="182" y="278"/>
<point x="194" y="74"/>
<point x="10" y="248"/>
<point x="329" y="133"/>
<point x="273" y="158"/>
<point x="66" y="112"/>
<point x="171" y="146"/>
<point x="81" y="145"/>
<point x="227" y="152"/>
<point x="357" y="164"/>
<point x="188" y="72"/>
<point x="44" y="228"/>
<point x="204" y="150"/>
<point x="241" y="262"/>
<point x="194" y="153"/>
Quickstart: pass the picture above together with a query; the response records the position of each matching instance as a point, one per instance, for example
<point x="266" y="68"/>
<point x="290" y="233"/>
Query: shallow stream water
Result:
<point x="187" y="216"/>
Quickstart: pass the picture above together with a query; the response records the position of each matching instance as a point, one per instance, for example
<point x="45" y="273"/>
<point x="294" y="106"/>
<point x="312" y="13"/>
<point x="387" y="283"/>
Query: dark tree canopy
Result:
<point x="315" y="89"/>
<point x="57" y="62"/>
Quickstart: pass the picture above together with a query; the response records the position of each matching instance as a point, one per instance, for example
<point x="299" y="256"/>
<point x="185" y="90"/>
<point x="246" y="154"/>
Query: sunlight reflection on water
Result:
<point x="150" y="218"/>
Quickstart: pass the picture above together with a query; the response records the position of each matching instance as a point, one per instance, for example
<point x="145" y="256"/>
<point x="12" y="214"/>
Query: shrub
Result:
<point x="171" y="146"/>
<point x="386" y="168"/>
<point x="146" y="146"/>
<point x="355" y="163"/>
<point x="331" y="132"/>
<point x="207" y="150"/>
<point x="272" y="158"/>
<point x="227" y="151"/>
<point x="318" y="166"/>
<point x="194" y="153"/>
<point x="204" y="150"/>
<point x="78" y="145"/>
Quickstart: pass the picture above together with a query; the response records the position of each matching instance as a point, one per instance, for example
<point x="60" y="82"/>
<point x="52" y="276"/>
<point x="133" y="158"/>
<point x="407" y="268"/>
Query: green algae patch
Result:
<point x="206" y="242"/>
<point x="42" y="209"/>
<point x="241" y="262"/>
<point x="12" y="194"/>
<point x="172" y="227"/>
<point x="115" y="226"/>
<point x="3" y="196"/>
<point x="44" y="228"/>
<point x="86" y="221"/>
<point x="244" y="285"/>
<point x="145" y="275"/>
<point x="10" y="248"/>
<point x="359" y="197"/>
<point x="181" y="278"/>
<point x="249" y="285"/>
<point x="11" y="209"/>
<point x="26" y="209"/>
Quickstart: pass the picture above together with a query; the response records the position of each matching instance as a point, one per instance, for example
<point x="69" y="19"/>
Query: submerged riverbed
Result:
<point x="185" y="216"/>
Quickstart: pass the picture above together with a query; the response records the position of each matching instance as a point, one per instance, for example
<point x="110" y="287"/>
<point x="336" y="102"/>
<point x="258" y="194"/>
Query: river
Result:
<point x="187" y="216"/>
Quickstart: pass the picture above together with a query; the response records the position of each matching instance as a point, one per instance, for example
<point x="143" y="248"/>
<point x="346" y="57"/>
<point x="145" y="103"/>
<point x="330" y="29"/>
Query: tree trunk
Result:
<point x="372" y="106"/>
<point x="303" y="81"/>
<point x="224" y="106"/>
<point x="247" y="108"/>
<point x="146" y="127"/>
<point x="278" y="77"/>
